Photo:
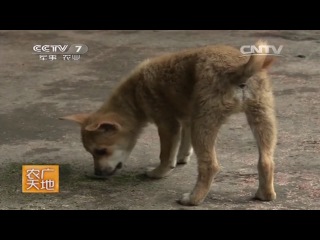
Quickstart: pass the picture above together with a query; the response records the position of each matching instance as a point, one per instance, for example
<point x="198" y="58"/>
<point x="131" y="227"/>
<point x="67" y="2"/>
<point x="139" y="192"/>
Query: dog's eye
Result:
<point x="100" y="152"/>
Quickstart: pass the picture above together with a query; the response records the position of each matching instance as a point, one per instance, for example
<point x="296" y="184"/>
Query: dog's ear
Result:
<point x="78" y="118"/>
<point x="104" y="126"/>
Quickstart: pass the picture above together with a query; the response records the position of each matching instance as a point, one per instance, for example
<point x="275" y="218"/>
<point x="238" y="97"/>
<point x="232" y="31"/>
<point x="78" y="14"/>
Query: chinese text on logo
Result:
<point x="40" y="178"/>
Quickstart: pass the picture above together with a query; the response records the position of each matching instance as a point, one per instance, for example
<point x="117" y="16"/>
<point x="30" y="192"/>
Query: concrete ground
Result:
<point x="34" y="93"/>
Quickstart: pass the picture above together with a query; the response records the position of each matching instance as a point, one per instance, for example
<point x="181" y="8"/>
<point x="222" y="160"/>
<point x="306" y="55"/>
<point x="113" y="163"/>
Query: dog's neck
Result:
<point x="124" y="101"/>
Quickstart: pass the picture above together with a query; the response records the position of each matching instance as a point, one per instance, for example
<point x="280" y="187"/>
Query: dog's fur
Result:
<point x="188" y="95"/>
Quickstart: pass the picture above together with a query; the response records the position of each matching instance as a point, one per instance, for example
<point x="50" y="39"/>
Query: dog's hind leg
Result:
<point x="261" y="118"/>
<point x="204" y="131"/>
<point x="169" y="133"/>
<point x="185" y="149"/>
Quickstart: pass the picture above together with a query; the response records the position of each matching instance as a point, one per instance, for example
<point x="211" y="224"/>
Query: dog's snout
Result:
<point x="107" y="171"/>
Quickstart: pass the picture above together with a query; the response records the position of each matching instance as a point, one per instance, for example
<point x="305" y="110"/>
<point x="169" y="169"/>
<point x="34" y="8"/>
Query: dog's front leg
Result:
<point x="169" y="134"/>
<point x="185" y="149"/>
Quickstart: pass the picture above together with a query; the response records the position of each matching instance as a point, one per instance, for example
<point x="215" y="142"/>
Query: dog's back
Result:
<point x="171" y="82"/>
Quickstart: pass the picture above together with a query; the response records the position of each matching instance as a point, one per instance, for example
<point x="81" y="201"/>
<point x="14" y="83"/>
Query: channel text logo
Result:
<point x="261" y="50"/>
<point x="53" y="52"/>
<point x="40" y="178"/>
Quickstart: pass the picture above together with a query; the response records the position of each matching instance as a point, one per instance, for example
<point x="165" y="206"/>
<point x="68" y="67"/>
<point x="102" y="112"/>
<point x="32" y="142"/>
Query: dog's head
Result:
<point x="106" y="138"/>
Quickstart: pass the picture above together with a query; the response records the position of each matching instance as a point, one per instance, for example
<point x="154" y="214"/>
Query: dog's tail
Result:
<point x="255" y="64"/>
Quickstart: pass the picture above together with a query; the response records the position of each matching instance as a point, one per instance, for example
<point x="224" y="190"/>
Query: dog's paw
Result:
<point x="265" y="196"/>
<point x="158" y="172"/>
<point x="183" y="160"/>
<point x="186" y="200"/>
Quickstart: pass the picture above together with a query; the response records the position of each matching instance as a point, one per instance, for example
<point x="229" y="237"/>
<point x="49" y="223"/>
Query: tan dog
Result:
<point x="188" y="95"/>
